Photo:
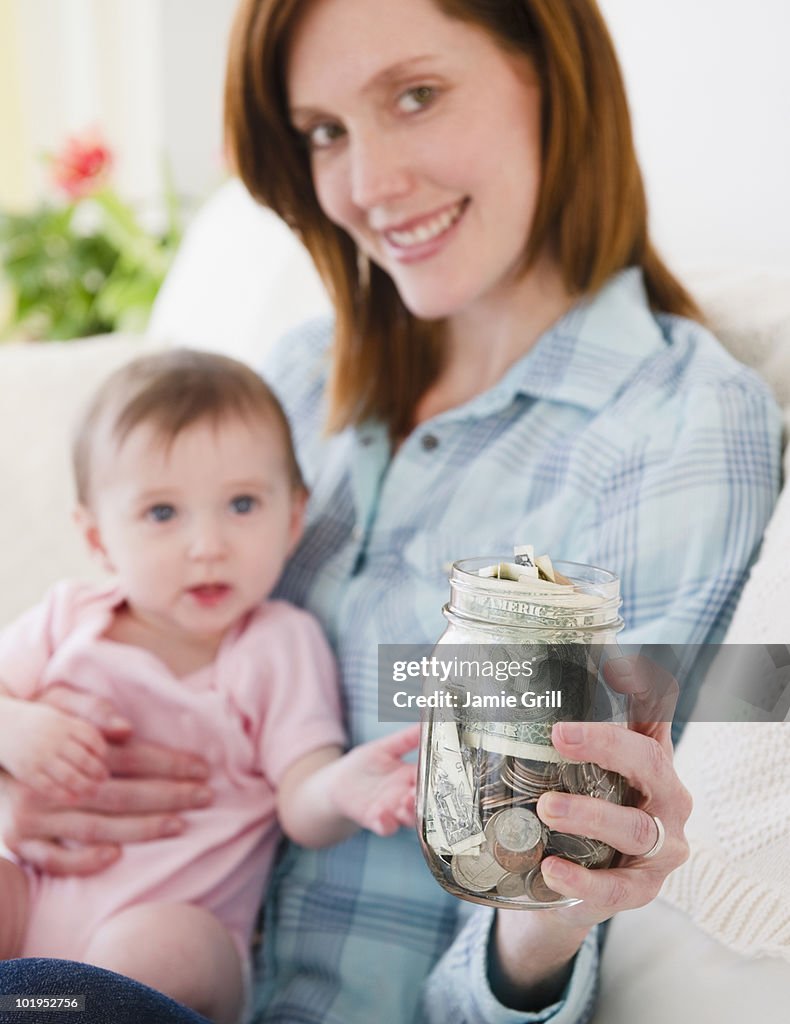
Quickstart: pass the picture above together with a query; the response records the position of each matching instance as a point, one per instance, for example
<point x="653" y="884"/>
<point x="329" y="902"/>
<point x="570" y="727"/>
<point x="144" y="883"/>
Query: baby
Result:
<point x="190" y="494"/>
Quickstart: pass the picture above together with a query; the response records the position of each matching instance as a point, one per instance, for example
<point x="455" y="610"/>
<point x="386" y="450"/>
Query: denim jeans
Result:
<point x="109" y="998"/>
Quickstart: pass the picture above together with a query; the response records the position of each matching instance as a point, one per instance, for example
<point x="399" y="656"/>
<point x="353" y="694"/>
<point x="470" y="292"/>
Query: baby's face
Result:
<point x="197" y="532"/>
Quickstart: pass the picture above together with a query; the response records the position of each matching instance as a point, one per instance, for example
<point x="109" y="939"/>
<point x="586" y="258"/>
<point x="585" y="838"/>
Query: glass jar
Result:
<point x="514" y="659"/>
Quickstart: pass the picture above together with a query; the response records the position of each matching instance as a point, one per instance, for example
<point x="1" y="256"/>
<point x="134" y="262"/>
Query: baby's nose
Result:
<point x="208" y="540"/>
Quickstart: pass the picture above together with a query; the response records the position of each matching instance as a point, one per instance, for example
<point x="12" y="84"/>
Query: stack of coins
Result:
<point x="514" y="844"/>
<point x="530" y="778"/>
<point x="590" y="779"/>
<point x="514" y="840"/>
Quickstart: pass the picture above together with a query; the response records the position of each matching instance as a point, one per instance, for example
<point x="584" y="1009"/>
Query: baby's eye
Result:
<point x="243" y="504"/>
<point x="324" y="135"/>
<point x="415" y="99"/>
<point x="161" y="513"/>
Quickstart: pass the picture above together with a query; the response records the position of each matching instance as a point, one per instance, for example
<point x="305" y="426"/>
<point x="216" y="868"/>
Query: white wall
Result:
<point x="194" y="43"/>
<point x="709" y="82"/>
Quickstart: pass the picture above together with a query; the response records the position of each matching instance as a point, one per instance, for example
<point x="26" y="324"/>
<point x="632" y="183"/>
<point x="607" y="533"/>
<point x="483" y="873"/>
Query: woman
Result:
<point x="510" y="361"/>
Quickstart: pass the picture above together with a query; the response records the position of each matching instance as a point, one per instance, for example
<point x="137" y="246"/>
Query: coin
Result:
<point x="590" y="779"/>
<point x="580" y="849"/>
<point x="536" y="887"/>
<point x="511" y="886"/>
<point x="517" y="829"/>
<point x="518" y="863"/>
<point x="477" y="872"/>
<point x="603" y="854"/>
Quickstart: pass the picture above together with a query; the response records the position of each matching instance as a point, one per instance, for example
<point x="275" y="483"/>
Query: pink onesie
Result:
<point x="269" y="698"/>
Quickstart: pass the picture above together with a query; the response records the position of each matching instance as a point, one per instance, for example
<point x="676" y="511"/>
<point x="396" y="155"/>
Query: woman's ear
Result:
<point x="86" y="523"/>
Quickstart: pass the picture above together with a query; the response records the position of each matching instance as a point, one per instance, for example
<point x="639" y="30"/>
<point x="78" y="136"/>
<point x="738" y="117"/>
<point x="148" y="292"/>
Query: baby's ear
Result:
<point x="86" y="523"/>
<point x="298" y="505"/>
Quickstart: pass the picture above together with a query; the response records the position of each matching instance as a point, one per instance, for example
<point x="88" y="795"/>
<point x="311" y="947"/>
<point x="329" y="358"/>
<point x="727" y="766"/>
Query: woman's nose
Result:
<point x="379" y="171"/>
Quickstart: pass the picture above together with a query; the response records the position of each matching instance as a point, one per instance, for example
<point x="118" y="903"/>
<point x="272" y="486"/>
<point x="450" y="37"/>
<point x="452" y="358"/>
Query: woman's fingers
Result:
<point x="99" y="829"/>
<point x="146" y="796"/>
<point x="604" y="892"/>
<point x="151" y="761"/>
<point x="54" y="859"/>
<point x="642" y="760"/>
<point x="643" y="756"/>
<point x="652" y="691"/>
<point x="628" y="829"/>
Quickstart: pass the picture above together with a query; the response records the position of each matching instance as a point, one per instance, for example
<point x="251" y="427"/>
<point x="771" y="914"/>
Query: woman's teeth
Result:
<point x="429" y="230"/>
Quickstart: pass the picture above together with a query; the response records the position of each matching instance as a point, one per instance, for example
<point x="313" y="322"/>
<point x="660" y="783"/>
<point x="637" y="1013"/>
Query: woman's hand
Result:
<point x="533" y="950"/>
<point x="149" y="784"/>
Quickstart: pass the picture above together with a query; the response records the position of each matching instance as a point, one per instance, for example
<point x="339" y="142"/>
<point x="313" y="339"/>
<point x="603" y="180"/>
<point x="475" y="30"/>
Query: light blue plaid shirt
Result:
<point x="622" y="439"/>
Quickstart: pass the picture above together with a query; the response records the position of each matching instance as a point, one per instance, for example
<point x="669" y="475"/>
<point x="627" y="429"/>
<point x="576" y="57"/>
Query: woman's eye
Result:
<point x="243" y="504"/>
<point x="416" y="99"/>
<point x="322" y="136"/>
<point x="161" y="513"/>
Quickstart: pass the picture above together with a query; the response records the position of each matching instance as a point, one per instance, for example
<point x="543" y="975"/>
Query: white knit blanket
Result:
<point x="736" y="884"/>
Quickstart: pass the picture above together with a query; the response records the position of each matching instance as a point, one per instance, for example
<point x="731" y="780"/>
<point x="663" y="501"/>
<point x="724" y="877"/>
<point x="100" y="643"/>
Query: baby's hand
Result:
<point x="375" y="787"/>
<point x="54" y="753"/>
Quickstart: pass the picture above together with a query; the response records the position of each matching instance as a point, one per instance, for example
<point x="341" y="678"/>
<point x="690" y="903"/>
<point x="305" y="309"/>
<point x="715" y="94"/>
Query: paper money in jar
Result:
<point x="486" y="756"/>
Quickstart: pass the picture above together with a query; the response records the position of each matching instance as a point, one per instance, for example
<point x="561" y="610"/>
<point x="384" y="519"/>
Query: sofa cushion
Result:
<point x="749" y="312"/>
<point x="241" y="279"/>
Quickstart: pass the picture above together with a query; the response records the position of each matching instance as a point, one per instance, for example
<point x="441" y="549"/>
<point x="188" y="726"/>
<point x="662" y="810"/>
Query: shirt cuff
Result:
<point x="458" y="989"/>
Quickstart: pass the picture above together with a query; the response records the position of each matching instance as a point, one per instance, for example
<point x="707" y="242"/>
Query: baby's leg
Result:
<point x="178" y="949"/>
<point x="14" y="901"/>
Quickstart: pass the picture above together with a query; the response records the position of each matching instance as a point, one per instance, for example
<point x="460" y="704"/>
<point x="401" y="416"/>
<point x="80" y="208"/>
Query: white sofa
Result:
<point x="239" y="281"/>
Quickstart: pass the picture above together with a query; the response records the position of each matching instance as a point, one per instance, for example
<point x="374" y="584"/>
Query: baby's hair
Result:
<point x="170" y="391"/>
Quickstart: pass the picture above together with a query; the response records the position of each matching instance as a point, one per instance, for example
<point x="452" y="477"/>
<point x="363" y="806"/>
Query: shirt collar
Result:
<point x="586" y="356"/>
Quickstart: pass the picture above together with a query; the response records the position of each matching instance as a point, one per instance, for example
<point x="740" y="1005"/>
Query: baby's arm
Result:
<point x="326" y="796"/>
<point x="52" y="752"/>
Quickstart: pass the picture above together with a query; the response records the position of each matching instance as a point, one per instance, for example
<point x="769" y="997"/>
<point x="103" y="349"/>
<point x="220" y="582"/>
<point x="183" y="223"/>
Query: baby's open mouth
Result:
<point x="210" y="593"/>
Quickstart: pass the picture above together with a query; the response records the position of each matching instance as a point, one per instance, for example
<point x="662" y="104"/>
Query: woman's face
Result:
<point x="425" y="145"/>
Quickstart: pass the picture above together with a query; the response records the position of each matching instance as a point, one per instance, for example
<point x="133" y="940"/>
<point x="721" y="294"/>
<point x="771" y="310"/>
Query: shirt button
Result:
<point x="357" y="534"/>
<point x="429" y="442"/>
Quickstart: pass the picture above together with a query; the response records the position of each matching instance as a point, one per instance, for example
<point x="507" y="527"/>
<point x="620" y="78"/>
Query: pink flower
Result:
<point x="81" y="166"/>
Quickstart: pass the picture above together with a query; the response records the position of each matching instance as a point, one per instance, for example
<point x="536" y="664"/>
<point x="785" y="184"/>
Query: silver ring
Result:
<point x="655" y="849"/>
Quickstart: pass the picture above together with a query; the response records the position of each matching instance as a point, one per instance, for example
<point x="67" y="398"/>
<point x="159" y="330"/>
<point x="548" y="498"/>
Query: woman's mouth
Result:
<point x="423" y="236"/>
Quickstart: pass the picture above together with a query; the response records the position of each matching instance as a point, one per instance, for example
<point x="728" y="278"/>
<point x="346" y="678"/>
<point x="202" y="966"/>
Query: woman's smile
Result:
<point x="422" y="237"/>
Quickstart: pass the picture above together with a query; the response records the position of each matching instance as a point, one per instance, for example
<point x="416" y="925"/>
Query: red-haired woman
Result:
<point x="509" y="359"/>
